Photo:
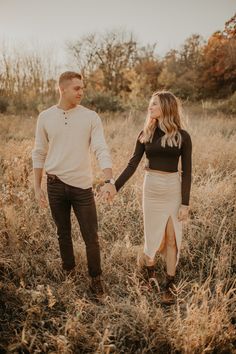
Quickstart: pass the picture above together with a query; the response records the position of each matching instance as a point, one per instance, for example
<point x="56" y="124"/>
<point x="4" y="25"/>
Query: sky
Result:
<point x="50" y="23"/>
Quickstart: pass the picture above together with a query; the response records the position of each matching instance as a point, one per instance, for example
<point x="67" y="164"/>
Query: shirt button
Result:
<point x="65" y="123"/>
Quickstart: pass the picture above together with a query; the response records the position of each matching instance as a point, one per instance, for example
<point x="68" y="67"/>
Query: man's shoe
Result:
<point x="96" y="286"/>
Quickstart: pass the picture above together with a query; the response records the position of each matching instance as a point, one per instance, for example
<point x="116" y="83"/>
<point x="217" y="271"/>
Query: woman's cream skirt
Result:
<point x="161" y="200"/>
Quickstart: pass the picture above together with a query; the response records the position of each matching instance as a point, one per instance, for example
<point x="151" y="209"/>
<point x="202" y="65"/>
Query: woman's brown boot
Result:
<point x="152" y="276"/>
<point x="168" y="296"/>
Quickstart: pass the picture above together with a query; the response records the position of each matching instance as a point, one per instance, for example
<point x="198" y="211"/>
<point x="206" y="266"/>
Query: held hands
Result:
<point x="183" y="213"/>
<point x="108" y="192"/>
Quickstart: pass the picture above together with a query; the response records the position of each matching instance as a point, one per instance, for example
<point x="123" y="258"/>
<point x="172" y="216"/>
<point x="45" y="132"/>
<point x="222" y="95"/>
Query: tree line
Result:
<point x="119" y="72"/>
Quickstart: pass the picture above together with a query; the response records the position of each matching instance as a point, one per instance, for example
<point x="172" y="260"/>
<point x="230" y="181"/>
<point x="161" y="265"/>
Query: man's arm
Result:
<point x="98" y="143"/>
<point x="109" y="189"/>
<point x="108" y="173"/>
<point x="39" y="193"/>
<point x="39" y="154"/>
<point x="102" y="153"/>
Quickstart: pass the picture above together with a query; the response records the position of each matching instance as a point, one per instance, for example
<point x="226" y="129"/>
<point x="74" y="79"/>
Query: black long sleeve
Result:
<point x="186" y="161"/>
<point x="132" y="165"/>
<point x="162" y="159"/>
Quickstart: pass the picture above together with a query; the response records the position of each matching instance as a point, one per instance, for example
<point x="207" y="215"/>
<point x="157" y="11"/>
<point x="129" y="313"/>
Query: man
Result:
<point x="64" y="135"/>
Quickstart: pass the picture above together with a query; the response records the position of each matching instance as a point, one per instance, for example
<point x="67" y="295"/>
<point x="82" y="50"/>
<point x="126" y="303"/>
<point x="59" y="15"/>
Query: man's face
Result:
<point x="73" y="90"/>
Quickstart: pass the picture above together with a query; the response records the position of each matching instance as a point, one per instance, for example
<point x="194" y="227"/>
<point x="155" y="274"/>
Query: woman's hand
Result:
<point x="108" y="192"/>
<point x="183" y="213"/>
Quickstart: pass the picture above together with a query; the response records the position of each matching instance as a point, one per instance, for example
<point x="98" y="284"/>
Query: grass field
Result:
<point x="42" y="311"/>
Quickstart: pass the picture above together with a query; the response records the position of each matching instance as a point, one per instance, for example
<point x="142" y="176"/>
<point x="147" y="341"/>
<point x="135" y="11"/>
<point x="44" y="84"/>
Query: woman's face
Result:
<point x="154" y="108"/>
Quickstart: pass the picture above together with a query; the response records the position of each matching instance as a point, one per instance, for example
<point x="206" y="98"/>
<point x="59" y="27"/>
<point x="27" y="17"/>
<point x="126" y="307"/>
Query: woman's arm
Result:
<point x="186" y="159"/>
<point x="132" y="165"/>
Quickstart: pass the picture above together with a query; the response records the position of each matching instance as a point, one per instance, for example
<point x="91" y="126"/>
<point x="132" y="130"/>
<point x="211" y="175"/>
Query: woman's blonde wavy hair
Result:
<point x="170" y="120"/>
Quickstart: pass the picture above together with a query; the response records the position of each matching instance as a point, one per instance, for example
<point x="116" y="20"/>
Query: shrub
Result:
<point x="229" y="105"/>
<point x="4" y="103"/>
<point x="105" y="101"/>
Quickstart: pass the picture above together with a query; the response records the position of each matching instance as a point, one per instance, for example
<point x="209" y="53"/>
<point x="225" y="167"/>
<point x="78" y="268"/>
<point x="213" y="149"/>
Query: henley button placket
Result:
<point x="65" y="118"/>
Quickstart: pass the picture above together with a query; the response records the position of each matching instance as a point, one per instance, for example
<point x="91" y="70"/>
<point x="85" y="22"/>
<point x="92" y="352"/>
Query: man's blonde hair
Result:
<point x="69" y="75"/>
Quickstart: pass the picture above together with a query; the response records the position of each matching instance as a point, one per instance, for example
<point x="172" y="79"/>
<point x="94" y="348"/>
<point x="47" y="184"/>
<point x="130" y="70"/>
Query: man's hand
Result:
<point x="183" y="213"/>
<point x="108" y="191"/>
<point x="41" y="197"/>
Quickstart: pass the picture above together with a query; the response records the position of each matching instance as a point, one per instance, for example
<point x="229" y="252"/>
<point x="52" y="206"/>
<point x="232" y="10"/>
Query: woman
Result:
<point x="165" y="192"/>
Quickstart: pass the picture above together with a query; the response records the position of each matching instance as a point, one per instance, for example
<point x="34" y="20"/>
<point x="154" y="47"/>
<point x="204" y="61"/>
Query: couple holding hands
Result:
<point x="66" y="132"/>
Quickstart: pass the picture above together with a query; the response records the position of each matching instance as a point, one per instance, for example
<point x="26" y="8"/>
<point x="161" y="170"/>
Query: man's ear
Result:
<point x="61" y="88"/>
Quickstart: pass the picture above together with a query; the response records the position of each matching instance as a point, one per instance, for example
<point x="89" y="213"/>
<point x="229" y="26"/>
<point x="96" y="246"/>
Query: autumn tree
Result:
<point x="181" y="68"/>
<point x="219" y="70"/>
<point x="110" y="56"/>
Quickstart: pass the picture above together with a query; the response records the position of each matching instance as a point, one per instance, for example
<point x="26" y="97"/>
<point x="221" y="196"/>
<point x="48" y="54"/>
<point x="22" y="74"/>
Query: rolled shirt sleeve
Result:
<point x="98" y="143"/>
<point x="40" y="149"/>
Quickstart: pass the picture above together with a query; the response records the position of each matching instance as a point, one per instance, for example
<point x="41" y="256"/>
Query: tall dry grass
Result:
<point x="41" y="311"/>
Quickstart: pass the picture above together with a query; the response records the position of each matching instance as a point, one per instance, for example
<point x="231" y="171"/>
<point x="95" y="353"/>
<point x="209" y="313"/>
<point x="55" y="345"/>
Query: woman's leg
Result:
<point x="171" y="248"/>
<point x="150" y="267"/>
<point x="149" y="262"/>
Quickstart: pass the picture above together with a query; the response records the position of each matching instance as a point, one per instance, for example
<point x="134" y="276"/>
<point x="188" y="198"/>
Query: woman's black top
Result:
<point x="162" y="159"/>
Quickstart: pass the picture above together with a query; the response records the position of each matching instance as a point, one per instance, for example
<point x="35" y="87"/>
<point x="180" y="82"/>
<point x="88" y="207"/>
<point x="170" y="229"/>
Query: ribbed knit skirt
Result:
<point x="161" y="200"/>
